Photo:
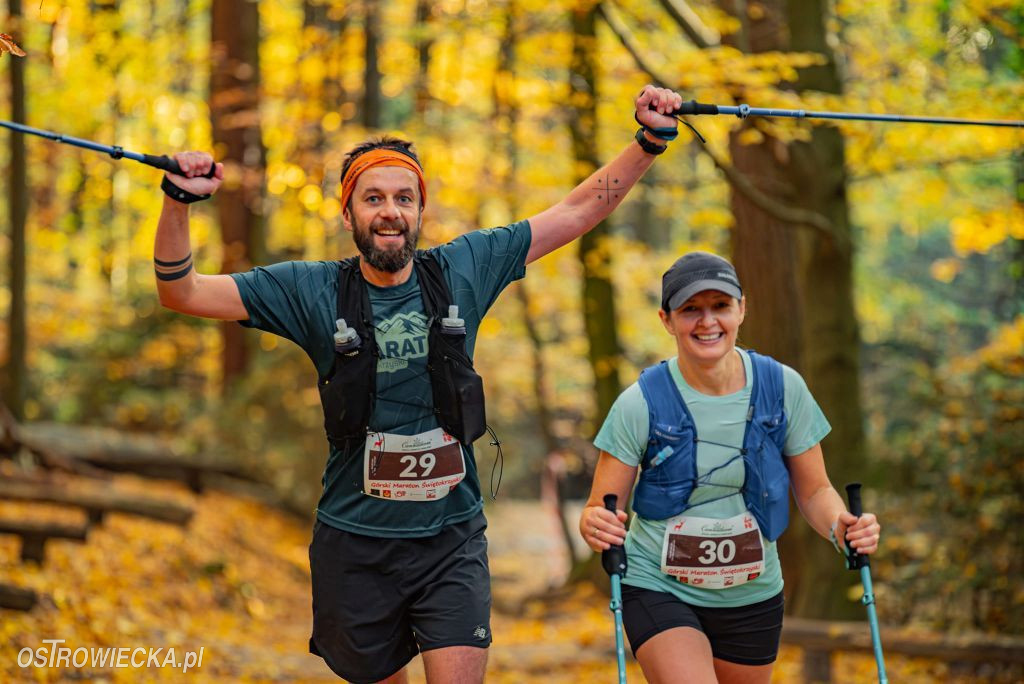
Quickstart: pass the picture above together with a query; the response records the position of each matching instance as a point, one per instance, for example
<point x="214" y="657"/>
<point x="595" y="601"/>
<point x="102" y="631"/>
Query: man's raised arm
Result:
<point x="596" y="197"/>
<point x="179" y="286"/>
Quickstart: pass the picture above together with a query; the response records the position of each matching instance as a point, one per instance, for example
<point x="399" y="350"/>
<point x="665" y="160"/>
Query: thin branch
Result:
<point x="739" y="182"/>
<point x="782" y="212"/>
<point x="621" y="32"/>
<point x="696" y="30"/>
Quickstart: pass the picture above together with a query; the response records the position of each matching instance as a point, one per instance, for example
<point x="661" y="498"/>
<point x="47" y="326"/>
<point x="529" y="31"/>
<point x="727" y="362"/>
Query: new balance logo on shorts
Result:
<point x="480" y="632"/>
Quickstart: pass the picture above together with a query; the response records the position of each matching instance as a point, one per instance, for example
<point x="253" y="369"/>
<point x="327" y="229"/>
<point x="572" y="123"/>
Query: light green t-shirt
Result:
<point x="719" y="419"/>
<point x="298" y="300"/>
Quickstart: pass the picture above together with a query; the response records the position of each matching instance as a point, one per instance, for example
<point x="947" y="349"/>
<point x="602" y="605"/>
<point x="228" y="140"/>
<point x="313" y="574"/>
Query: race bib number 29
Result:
<point x="713" y="554"/>
<point x="420" y="467"/>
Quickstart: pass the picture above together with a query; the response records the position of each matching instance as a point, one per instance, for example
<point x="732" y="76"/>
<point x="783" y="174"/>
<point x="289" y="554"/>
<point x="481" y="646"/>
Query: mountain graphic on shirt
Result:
<point x="400" y="338"/>
<point x="403" y="324"/>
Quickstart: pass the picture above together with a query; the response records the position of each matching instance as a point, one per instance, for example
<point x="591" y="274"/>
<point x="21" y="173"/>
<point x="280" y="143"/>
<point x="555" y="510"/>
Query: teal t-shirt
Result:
<point x="722" y="420"/>
<point x="298" y="301"/>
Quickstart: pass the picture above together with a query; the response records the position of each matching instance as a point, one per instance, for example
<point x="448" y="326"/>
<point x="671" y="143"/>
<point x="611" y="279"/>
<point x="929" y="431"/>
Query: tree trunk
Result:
<point x="599" y="317"/>
<point x="598" y="290"/>
<point x="182" y="81"/>
<point x="17" y="203"/>
<point x="424" y="24"/>
<point x="371" y="74"/>
<point x="800" y="286"/>
<point x="234" y="110"/>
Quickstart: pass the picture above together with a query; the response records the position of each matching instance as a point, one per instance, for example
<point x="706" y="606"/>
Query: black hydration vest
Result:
<point x="350" y="390"/>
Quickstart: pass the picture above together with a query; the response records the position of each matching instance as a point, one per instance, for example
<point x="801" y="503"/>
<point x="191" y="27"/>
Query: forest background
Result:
<point x="884" y="261"/>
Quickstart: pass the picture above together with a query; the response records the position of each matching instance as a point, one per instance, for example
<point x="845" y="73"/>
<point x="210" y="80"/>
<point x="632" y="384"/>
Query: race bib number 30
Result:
<point x="420" y="467"/>
<point x="713" y="554"/>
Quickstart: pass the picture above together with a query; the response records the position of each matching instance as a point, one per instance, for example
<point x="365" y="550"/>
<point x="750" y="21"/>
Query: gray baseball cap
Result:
<point x="696" y="272"/>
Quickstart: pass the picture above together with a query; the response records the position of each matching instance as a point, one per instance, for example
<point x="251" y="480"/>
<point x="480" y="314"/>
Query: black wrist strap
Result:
<point x="666" y="134"/>
<point x="179" y="195"/>
<point x="647" y="145"/>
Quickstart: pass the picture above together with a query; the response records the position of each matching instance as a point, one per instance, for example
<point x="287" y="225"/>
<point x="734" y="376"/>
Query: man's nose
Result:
<point x="389" y="209"/>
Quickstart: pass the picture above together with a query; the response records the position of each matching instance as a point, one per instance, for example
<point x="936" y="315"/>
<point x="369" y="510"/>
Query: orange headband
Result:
<point x="380" y="156"/>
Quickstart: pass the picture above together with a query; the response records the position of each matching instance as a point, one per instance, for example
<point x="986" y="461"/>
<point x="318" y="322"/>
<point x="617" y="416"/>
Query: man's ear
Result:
<point x="346" y="219"/>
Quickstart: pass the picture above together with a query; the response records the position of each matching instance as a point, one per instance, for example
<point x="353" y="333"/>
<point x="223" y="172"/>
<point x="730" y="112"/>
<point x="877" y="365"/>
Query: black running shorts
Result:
<point x="746" y="635"/>
<point x="378" y="602"/>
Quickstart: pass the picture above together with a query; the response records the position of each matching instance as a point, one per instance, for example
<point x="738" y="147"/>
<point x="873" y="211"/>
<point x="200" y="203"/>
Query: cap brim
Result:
<point x="679" y="298"/>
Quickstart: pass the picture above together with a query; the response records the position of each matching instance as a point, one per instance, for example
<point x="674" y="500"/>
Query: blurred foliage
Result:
<point x="937" y="215"/>
<point x="952" y="458"/>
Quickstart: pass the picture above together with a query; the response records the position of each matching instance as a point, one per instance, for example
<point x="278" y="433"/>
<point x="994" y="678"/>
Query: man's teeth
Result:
<point x="385" y="231"/>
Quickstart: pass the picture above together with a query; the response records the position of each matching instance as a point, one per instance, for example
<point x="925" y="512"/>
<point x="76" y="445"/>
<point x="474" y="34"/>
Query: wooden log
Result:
<point x="96" y="503"/>
<point x="35" y="534"/>
<point x="117" y="451"/>
<point x="13" y="440"/>
<point x="17" y="598"/>
<point x="823" y="635"/>
<point x="966" y="652"/>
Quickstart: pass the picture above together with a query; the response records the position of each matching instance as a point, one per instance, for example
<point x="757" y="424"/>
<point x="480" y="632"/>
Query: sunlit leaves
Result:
<point x="980" y="231"/>
<point x="7" y="44"/>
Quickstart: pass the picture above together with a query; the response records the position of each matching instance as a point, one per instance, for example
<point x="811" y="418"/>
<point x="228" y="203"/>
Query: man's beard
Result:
<point x="387" y="260"/>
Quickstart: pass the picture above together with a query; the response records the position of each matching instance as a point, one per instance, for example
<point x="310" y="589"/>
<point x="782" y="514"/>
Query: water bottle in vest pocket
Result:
<point x="458" y="391"/>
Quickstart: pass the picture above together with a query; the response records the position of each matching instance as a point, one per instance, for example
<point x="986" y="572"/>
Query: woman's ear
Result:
<point x="666" y="320"/>
<point x="743" y="308"/>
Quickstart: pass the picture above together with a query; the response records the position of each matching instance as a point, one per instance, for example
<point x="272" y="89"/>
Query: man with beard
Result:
<point x="398" y="557"/>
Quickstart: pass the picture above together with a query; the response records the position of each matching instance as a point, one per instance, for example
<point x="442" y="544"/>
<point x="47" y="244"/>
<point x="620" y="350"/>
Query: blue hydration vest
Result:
<point x="669" y="466"/>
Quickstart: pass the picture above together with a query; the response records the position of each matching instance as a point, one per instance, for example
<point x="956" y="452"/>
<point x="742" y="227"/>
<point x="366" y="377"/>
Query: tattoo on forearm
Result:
<point x="608" y="191"/>
<point x="173" y="270"/>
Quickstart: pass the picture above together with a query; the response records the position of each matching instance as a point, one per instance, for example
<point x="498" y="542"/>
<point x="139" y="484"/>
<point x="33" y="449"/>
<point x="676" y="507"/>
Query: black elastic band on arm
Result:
<point x="175" y="275"/>
<point x="172" y="264"/>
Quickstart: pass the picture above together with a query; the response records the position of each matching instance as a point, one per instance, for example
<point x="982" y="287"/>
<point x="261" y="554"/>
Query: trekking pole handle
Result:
<point x="692" y="108"/>
<point x="853" y="495"/>
<point x="613" y="560"/>
<point x="855" y="560"/>
<point x="171" y="166"/>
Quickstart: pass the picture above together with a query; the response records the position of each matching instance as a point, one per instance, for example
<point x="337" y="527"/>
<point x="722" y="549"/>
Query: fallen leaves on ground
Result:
<point x="235" y="583"/>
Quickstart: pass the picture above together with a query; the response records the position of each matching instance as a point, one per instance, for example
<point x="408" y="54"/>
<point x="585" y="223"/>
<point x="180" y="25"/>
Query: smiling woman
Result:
<point x="719" y="434"/>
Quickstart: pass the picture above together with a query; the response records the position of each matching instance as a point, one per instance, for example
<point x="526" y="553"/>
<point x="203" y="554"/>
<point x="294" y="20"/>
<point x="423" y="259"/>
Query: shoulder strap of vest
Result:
<point x="665" y="404"/>
<point x="433" y="286"/>
<point x="767" y="396"/>
<point x="768" y="389"/>
<point x="353" y="297"/>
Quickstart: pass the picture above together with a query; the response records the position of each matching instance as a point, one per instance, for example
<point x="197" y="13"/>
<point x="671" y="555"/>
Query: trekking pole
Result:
<point x="161" y="162"/>
<point x="856" y="561"/>
<point x="614" y="562"/>
<point x="744" y="110"/>
<point x="694" y="108"/>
